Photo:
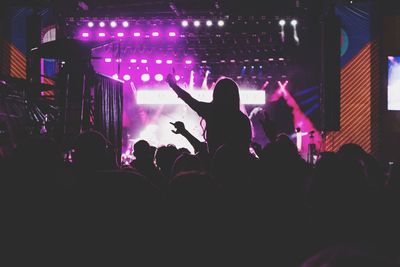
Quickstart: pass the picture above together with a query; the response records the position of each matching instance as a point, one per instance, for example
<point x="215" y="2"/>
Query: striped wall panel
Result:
<point x="13" y="61"/>
<point x="357" y="103"/>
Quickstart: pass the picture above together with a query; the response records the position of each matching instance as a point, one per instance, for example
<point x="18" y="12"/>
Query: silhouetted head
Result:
<point x="91" y="151"/>
<point x="142" y="149"/>
<point x="226" y="95"/>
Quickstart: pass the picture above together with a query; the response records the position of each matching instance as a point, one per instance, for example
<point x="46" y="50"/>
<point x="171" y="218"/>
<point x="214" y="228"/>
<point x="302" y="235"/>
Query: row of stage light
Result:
<point x="188" y="61"/>
<point x="184" y="23"/>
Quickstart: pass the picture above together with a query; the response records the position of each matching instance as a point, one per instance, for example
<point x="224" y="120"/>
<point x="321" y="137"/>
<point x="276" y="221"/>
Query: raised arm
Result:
<point x="180" y="129"/>
<point x="200" y="107"/>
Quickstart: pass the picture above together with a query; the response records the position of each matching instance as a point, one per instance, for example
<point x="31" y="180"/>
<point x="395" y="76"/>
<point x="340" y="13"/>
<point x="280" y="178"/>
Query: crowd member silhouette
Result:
<point x="225" y="123"/>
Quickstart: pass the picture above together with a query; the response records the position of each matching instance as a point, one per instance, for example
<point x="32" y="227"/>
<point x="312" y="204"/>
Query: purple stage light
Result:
<point x="185" y="23"/>
<point x="115" y="76"/>
<point x="143" y="61"/>
<point x="120" y="34"/>
<point x="209" y="23"/>
<point x="196" y="23"/>
<point x="107" y="59"/>
<point x="133" y="60"/>
<point x="90" y="24"/>
<point x="136" y="34"/>
<point x="125" y="24"/>
<point x="169" y="61"/>
<point x="102" y="34"/>
<point x="113" y="24"/>
<point x="158" y="77"/>
<point x="177" y="77"/>
<point x="188" y="61"/>
<point x="155" y="34"/>
<point x="127" y="77"/>
<point x="158" y="61"/>
<point x="118" y="60"/>
<point x="85" y="34"/>
<point x="145" y="77"/>
<point x="102" y="24"/>
<point x="172" y="34"/>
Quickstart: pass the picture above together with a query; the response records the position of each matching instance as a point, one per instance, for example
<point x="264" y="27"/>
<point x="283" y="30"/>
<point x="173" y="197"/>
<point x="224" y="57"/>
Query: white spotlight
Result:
<point x="209" y="23"/>
<point x="185" y="23"/>
<point x="196" y="23"/>
<point x="221" y="23"/>
<point x="294" y="23"/>
<point x="282" y="22"/>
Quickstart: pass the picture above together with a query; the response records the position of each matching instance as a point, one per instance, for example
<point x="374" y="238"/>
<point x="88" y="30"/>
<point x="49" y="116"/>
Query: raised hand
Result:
<point x="171" y="80"/>
<point x="179" y="127"/>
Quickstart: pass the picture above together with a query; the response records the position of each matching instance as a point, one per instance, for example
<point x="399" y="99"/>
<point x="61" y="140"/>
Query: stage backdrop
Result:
<point x="359" y="92"/>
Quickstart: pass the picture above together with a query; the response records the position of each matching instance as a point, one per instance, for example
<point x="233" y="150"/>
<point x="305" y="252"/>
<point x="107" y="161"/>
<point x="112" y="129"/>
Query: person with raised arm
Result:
<point x="225" y="123"/>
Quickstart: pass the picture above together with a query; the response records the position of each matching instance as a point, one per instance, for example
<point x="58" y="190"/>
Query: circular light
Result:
<point x="293" y="22"/>
<point x="221" y="23"/>
<point x="85" y="34"/>
<point x="155" y="34"/>
<point x="196" y="23"/>
<point x="90" y="24"/>
<point x="113" y="24"/>
<point x="115" y="76"/>
<point x="120" y="34"/>
<point x="127" y="77"/>
<point x="188" y="61"/>
<point x="125" y="24"/>
<point x="169" y="61"/>
<point x="136" y="34"/>
<point x="172" y="34"/>
<point x="107" y="59"/>
<point x="145" y="77"/>
<point x="158" y="61"/>
<point x="185" y="23"/>
<point x="102" y="34"/>
<point x="282" y="22"/>
<point x="177" y="77"/>
<point x="133" y="60"/>
<point x="158" y="77"/>
<point x="209" y="23"/>
<point x="102" y="24"/>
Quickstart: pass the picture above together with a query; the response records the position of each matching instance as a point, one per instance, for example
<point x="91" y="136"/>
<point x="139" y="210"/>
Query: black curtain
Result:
<point x="108" y="95"/>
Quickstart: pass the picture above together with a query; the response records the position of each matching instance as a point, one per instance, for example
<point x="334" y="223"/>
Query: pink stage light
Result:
<point x="158" y="61"/>
<point x="102" y="34"/>
<point x="177" y="77"/>
<point x="85" y="34"/>
<point x="172" y="34"/>
<point x="120" y="34"/>
<point x="143" y="61"/>
<point x="188" y="61"/>
<point x="107" y="59"/>
<point x="136" y="34"/>
<point x="155" y="34"/>
<point x="145" y="77"/>
<point x="133" y="60"/>
<point x="125" y="24"/>
<point x="102" y="24"/>
<point x="158" y="77"/>
<point x="90" y="24"/>
<point x="118" y="60"/>
<point x="169" y="61"/>
<point x="127" y="77"/>
<point x="113" y="24"/>
<point x="115" y="76"/>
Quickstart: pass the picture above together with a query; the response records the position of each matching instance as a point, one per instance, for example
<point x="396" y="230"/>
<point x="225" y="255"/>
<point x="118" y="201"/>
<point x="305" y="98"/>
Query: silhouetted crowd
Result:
<point x="170" y="207"/>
